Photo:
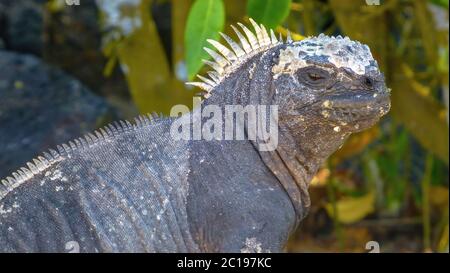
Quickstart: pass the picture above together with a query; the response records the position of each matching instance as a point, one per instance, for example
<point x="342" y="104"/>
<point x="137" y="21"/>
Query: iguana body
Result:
<point x="135" y="188"/>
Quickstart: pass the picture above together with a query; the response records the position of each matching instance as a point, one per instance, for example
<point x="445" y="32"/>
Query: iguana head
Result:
<point x="329" y="82"/>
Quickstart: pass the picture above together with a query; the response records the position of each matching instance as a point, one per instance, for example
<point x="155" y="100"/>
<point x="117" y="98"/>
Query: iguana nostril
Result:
<point x="368" y="82"/>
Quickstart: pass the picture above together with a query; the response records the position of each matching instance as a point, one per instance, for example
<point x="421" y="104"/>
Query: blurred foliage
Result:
<point x="199" y="31"/>
<point x="352" y="209"/>
<point x="141" y="56"/>
<point x="271" y="13"/>
<point x="389" y="183"/>
<point x="442" y="3"/>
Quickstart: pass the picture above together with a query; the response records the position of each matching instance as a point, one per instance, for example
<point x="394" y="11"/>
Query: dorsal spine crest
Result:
<point x="47" y="159"/>
<point x="227" y="60"/>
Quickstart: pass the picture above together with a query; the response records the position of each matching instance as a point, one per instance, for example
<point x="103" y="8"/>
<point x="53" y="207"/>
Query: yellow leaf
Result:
<point x="439" y="196"/>
<point x="419" y="112"/>
<point x="321" y="178"/>
<point x="295" y="36"/>
<point x="443" y="241"/>
<point x="352" y="209"/>
<point x="356" y="144"/>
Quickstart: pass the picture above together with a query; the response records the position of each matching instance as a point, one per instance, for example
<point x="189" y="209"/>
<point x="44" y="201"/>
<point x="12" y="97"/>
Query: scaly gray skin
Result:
<point x="134" y="188"/>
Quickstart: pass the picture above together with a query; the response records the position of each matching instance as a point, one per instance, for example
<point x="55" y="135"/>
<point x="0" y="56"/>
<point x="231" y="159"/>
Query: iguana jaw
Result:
<point x="355" y="110"/>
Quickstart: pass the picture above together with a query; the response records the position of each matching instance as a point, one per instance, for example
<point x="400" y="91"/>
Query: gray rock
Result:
<point x="41" y="107"/>
<point x="23" y="25"/>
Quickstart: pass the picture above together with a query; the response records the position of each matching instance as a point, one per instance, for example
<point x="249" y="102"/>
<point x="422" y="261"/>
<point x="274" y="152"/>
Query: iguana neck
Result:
<point x="297" y="159"/>
<point x="234" y="90"/>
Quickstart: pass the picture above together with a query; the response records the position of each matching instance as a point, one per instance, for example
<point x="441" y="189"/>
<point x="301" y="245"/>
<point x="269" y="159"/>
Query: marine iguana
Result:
<point x="133" y="188"/>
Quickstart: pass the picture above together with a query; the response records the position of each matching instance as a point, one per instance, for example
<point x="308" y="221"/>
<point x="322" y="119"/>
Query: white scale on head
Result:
<point x="341" y="52"/>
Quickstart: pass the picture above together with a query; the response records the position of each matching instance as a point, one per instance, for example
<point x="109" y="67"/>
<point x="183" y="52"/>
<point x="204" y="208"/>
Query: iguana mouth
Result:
<point x="356" y="107"/>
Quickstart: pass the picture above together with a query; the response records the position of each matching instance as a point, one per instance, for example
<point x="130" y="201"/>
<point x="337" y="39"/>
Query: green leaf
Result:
<point x="206" y="18"/>
<point x="442" y="3"/>
<point x="271" y="13"/>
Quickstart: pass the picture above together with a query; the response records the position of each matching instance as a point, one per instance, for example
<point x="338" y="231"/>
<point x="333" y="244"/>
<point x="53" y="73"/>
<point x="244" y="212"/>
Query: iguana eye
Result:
<point x="314" y="77"/>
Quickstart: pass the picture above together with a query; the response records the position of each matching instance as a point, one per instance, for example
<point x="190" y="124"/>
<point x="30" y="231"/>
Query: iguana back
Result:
<point x="108" y="192"/>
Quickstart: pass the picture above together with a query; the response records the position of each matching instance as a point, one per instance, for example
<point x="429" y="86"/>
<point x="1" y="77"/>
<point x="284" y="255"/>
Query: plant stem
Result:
<point x="426" y="202"/>
<point x="337" y="225"/>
